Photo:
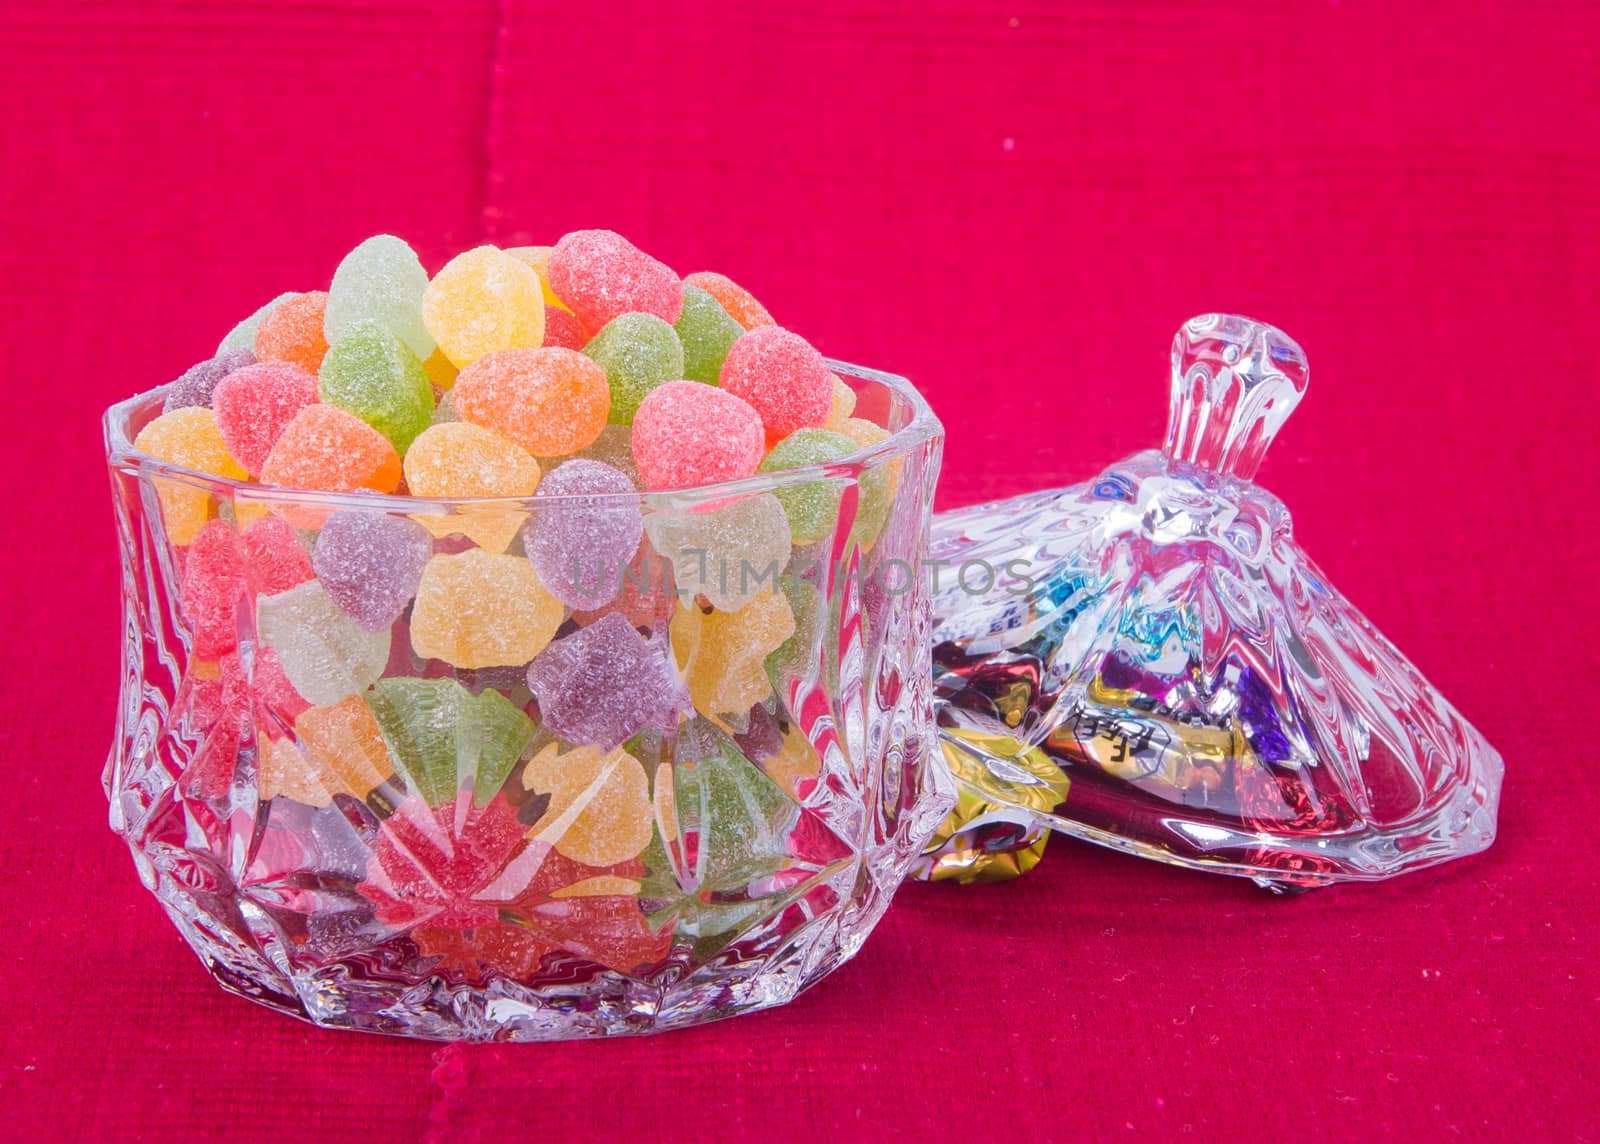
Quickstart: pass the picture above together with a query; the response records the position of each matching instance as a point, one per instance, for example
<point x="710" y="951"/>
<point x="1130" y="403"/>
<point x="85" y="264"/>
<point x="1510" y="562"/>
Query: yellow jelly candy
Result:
<point x="458" y="459"/>
<point x="187" y="437"/>
<point x="340" y="751"/>
<point x="477" y="609"/>
<point x="481" y="302"/>
<point x="844" y="403"/>
<point x="600" y="812"/>
<point x="440" y="369"/>
<point x="538" y="257"/>
<point x="795" y="763"/>
<point x="721" y="653"/>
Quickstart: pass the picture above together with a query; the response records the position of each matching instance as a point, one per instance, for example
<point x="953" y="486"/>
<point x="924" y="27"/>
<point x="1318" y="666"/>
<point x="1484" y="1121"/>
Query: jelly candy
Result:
<point x="325" y="654"/>
<point x="604" y="683"/>
<point x="275" y="702"/>
<point x="782" y="376"/>
<point x="213" y="584"/>
<point x="735" y="299"/>
<point x="477" y="609"/>
<point x="292" y="332"/>
<point x="340" y="751"/>
<point x="638" y="353"/>
<point x="441" y="370"/>
<point x="562" y="328"/>
<point x="580" y="542"/>
<point x="190" y="438"/>
<point x="549" y="401"/>
<point x="459" y="459"/>
<point x="647" y="596"/>
<point x="725" y="553"/>
<point x="844" y="403"/>
<point x="255" y="404"/>
<point x="243" y="336"/>
<point x="373" y="374"/>
<point x="614" y="447"/>
<point x="329" y="449"/>
<point x="483" y="301"/>
<point x="707" y="331"/>
<point x="813" y="507"/>
<point x="370" y="563"/>
<point x="864" y="433"/>
<point x="381" y="281"/>
<point x="444" y="737"/>
<point x="600" y="275"/>
<point x="721" y="654"/>
<point x="599" y="811"/>
<point x="438" y="865"/>
<point x="199" y="382"/>
<point x="538" y="257"/>
<point x="686" y="433"/>
<point x="274" y="558"/>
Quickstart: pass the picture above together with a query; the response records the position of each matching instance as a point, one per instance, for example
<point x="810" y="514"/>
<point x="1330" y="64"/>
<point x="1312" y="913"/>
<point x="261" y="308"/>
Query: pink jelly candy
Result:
<point x="601" y="275"/>
<point x="580" y="543"/>
<point x="274" y="558"/>
<point x="602" y="684"/>
<point x="255" y="404"/>
<point x="213" y="583"/>
<point x="370" y="564"/>
<point x="687" y="433"/>
<point x="782" y="376"/>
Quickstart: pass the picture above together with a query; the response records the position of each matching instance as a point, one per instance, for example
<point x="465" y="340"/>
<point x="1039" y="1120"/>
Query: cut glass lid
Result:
<point x="1149" y="661"/>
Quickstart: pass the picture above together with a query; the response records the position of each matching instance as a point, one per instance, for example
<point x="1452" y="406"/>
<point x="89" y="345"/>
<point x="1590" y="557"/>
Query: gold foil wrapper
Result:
<point x="989" y="837"/>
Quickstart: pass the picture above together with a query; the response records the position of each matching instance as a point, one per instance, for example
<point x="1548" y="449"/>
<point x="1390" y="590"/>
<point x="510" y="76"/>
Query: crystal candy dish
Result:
<point x="357" y="834"/>
<point x="1149" y="661"/>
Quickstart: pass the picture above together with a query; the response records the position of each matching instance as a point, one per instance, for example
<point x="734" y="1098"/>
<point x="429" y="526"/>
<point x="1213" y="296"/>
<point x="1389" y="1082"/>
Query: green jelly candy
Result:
<point x="638" y="353"/>
<point x="380" y="281"/>
<point x="243" y="336"/>
<point x="706" y="331"/>
<point x="813" y="507"/>
<point x="373" y="374"/>
<point x="442" y="736"/>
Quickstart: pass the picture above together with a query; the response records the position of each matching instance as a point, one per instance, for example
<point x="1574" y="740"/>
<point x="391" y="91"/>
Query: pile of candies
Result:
<point x="557" y="724"/>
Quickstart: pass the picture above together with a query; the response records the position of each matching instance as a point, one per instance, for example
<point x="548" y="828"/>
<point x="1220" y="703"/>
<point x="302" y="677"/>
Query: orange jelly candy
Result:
<point x="739" y="302"/>
<point x="550" y="401"/>
<point x="293" y="332"/>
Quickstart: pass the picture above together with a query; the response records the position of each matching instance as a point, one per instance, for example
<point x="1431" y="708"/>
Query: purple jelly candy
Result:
<point x="370" y="564"/>
<point x="197" y="385"/>
<point x="580" y="543"/>
<point x="604" y="683"/>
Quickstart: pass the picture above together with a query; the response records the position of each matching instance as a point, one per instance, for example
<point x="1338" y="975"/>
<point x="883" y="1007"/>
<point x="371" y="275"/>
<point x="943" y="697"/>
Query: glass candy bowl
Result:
<point x="1149" y="661"/>
<point x="362" y="811"/>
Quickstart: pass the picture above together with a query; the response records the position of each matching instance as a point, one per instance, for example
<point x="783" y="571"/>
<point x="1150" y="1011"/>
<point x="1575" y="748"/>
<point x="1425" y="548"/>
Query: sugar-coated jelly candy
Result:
<point x="584" y="528"/>
<point x="638" y="353"/>
<point x="605" y="683"/>
<point x="646" y="599"/>
<point x="600" y="275"/>
<point x="338" y="748"/>
<point x="441" y="370"/>
<point x="479" y="609"/>
<point x="382" y="281"/>
<point x="599" y="811"/>
<point x="538" y="257"/>
<point x="722" y="654"/>
<point x="275" y="559"/>
<point x="813" y="507"/>
<point x="199" y="381"/>
<point x="482" y="302"/>
<point x="372" y="373"/>
<point x="293" y="332"/>
<point x="739" y="302"/>
<point x="725" y="553"/>
<point x="273" y="699"/>
<point x="843" y="402"/>
<point x="370" y="563"/>
<point x="707" y="332"/>
<point x="444" y="738"/>
<point x="328" y="449"/>
<point x="551" y="402"/>
<point x="864" y="433"/>
<point x="614" y="447"/>
<point x="213" y="584"/>
<point x="783" y="376"/>
<point x="243" y="335"/>
<point x="256" y="403"/>
<point x="686" y="434"/>
<point x="188" y="438"/>
<point x="562" y="328"/>
<point x="325" y="654"/>
<point x="458" y="459"/>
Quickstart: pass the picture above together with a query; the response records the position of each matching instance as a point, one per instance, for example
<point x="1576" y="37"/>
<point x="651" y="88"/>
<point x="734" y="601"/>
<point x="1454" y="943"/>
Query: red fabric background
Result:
<point x="1015" y="204"/>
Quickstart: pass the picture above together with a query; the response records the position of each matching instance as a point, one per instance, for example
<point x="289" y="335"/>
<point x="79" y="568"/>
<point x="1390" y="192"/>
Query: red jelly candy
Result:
<point x="602" y="275"/>
<point x="562" y="328"/>
<point x="782" y="376"/>
<point x="255" y="404"/>
<point x="275" y="560"/>
<point x="213" y="585"/>
<point x="687" y="433"/>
